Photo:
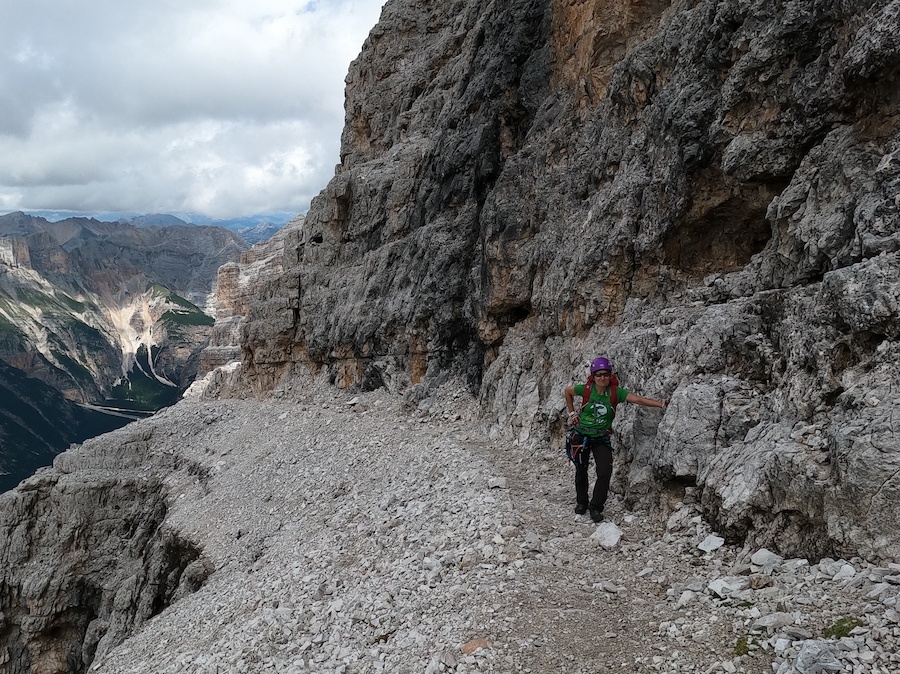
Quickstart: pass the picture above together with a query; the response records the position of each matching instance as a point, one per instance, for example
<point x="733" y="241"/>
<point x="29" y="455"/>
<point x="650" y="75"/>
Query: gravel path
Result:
<point x="349" y="534"/>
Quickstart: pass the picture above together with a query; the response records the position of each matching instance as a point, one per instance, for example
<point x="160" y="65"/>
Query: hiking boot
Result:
<point x="596" y="515"/>
<point x="581" y="509"/>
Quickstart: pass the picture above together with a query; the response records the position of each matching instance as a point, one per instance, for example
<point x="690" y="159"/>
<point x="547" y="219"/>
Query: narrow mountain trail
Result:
<point x="352" y="534"/>
<point x="584" y="608"/>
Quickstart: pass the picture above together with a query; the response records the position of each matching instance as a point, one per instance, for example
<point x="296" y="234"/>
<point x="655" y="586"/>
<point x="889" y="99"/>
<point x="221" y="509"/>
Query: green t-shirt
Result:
<point x="596" y="416"/>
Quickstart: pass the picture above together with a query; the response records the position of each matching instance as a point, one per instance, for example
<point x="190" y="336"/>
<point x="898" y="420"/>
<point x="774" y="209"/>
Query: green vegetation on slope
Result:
<point x="37" y="423"/>
<point x="188" y="318"/>
<point x="140" y="392"/>
<point x="158" y="290"/>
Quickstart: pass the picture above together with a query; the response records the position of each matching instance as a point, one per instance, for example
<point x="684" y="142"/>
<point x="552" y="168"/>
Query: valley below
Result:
<point x="93" y="316"/>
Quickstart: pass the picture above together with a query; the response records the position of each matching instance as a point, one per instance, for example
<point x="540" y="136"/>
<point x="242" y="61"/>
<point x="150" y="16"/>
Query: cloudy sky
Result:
<point x="222" y="107"/>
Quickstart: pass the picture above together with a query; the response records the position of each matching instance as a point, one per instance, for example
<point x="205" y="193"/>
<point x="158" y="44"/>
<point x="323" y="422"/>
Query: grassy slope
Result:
<point x="37" y="423"/>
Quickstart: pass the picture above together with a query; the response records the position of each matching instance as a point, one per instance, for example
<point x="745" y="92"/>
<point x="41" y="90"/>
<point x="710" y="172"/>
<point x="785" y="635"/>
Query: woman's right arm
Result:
<point x="570" y="404"/>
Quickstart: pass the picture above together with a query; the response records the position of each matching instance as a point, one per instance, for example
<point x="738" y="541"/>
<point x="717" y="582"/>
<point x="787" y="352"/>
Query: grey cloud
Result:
<point x="218" y="106"/>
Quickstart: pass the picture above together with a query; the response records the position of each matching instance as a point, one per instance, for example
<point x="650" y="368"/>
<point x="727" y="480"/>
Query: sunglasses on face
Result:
<point x="600" y="373"/>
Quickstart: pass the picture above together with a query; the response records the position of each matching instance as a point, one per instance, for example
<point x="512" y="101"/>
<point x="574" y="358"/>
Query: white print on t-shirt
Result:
<point x="600" y="410"/>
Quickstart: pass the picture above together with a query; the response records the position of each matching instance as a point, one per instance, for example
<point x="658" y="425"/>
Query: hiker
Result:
<point x="590" y="434"/>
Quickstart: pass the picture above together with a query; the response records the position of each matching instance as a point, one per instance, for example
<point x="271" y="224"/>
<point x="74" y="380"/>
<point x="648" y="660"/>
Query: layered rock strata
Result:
<point x="86" y="556"/>
<point x="703" y="191"/>
<point x="237" y="285"/>
<point x="80" y="299"/>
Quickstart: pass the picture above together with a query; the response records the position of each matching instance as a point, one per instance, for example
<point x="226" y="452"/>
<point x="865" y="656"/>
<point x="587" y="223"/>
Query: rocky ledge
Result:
<point x="360" y="533"/>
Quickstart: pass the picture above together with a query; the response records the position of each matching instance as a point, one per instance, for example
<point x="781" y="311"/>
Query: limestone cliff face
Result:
<point x="237" y="286"/>
<point x="703" y="191"/>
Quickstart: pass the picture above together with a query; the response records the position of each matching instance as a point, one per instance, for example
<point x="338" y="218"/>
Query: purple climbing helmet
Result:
<point x="600" y="364"/>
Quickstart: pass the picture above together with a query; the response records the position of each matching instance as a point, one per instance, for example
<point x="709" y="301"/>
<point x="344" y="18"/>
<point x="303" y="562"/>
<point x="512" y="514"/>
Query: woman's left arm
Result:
<point x="646" y="402"/>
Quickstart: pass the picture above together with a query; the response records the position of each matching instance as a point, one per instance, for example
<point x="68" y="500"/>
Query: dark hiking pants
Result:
<point x="601" y="450"/>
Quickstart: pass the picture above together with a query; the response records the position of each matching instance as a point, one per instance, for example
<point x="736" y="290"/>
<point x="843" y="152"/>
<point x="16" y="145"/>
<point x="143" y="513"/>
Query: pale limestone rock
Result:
<point x="237" y="284"/>
<point x="706" y="193"/>
<point x="765" y="560"/>
<point x="607" y="535"/>
<point x="711" y="542"/>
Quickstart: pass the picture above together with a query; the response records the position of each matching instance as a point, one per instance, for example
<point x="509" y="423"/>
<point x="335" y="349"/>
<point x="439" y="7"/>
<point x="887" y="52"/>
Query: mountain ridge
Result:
<point x="93" y="310"/>
<point x="252" y="228"/>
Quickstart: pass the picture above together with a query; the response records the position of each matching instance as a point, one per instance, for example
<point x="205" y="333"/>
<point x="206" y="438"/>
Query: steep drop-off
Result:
<point x="37" y="423"/>
<point x="100" y="312"/>
<point x="86" y="558"/>
<point x="703" y="191"/>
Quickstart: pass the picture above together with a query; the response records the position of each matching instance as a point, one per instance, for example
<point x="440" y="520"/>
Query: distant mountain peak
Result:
<point x="153" y="220"/>
<point x="252" y="228"/>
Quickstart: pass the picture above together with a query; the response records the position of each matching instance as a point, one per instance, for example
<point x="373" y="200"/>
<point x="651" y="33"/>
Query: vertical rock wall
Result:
<point x="704" y="191"/>
<point x="237" y="287"/>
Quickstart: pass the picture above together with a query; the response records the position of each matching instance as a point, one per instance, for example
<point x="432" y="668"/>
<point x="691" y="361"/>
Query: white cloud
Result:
<point x="225" y="107"/>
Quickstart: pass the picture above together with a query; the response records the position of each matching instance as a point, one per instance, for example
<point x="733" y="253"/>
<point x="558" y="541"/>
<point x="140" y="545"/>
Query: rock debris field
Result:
<point x="358" y="534"/>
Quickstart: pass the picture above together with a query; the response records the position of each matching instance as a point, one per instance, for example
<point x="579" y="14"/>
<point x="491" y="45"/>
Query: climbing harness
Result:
<point x="575" y="444"/>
